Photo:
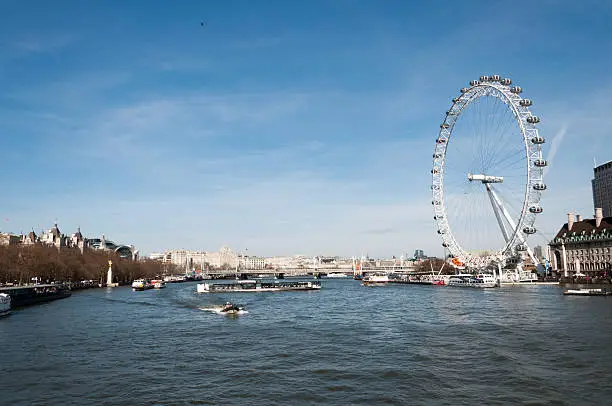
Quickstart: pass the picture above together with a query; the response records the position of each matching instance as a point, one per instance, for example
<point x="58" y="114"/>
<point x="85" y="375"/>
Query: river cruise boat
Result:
<point x="174" y="278"/>
<point x="5" y="304"/>
<point x="375" y="280"/>
<point x="256" y="286"/>
<point x="336" y="275"/>
<point x="141" y="284"/>
<point x="473" y="281"/>
<point x="588" y="292"/>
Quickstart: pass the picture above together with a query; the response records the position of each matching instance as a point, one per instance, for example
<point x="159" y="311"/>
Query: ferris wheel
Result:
<point x="487" y="175"/>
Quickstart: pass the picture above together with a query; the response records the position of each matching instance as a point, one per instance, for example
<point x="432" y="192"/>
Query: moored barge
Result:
<point x="29" y="295"/>
<point x="256" y="286"/>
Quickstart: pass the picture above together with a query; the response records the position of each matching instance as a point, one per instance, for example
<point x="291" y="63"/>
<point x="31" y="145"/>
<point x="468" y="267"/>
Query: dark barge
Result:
<point x="33" y="294"/>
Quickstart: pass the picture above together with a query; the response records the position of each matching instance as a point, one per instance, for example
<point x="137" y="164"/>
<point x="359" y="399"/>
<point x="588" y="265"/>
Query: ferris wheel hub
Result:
<point x="485" y="178"/>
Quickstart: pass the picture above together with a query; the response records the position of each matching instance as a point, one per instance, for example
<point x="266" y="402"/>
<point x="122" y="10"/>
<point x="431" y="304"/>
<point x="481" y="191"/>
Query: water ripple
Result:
<point x="343" y="345"/>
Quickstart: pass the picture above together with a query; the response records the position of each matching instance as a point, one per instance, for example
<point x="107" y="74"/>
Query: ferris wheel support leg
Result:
<point x="496" y="201"/>
<point x="496" y="210"/>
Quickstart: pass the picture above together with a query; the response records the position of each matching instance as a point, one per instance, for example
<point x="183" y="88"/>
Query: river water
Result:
<point x="345" y="344"/>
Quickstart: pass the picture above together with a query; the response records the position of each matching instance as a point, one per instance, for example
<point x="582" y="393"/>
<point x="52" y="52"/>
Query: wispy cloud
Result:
<point x="40" y="44"/>
<point x="556" y="142"/>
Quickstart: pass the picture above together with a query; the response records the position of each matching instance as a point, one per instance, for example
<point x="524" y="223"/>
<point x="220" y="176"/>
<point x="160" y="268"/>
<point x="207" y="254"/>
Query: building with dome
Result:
<point x="124" y="251"/>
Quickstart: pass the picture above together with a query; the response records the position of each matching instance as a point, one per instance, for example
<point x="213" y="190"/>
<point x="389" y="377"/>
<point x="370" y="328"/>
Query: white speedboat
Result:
<point x="158" y="284"/>
<point x="5" y="304"/>
<point x="375" y="280"/>
<point x="230" y="308"/>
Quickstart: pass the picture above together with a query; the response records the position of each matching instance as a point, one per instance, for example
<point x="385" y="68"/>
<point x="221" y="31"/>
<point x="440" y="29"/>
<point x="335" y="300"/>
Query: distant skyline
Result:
<point x="285" y="128"/>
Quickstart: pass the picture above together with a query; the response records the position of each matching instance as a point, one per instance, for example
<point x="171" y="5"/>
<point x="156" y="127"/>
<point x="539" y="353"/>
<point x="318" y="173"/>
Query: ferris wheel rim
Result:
<point x="501" y="89"/>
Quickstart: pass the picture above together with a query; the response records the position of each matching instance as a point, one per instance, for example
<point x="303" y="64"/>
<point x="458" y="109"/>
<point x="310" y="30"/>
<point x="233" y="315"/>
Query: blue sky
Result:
<point x="281" y="127"/>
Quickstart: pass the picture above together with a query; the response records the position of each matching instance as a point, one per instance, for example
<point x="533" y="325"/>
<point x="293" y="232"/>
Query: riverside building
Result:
<point x="583" y="246"/>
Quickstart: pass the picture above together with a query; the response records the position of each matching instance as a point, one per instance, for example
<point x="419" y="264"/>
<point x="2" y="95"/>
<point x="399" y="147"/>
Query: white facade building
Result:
<point x="583" y="246"/>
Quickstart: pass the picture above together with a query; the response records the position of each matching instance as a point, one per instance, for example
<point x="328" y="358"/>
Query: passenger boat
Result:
<point x="175" y="278"/>
<point x="5" y="304"/>
<point x="375" y="280"/>
<point x="588" y="292"/>
<point x="33" y="294"/>
<point x="256" y="286"/>
<point x="158" y="284"/>
<point x="336" y="275"/>
<point x="141" y="284"/>
<point x="473" y="281"/>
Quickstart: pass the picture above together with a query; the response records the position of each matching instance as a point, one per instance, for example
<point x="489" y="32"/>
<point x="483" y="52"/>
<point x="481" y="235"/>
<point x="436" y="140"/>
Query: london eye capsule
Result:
<point x="533" y="119"/>
<point x="464" y="90"/>
<point x="539" y="186"/>
<point x="516" y="89"/>
<point x="444" y="126"/>
<point x="521" y="247"/>
<point x="506" y="81"/>
<point x="435" y="202"/>
<point x="484" y="78"/>
<point x="529" y="230"/>
<point x="474" y="82"/>
<point x="440" y="231"/>
<point x="436" y="155"/>
<point x="435" y="187"/>
<point x="441" y="141"/>
<point x="438" y="217"/>
<point x="536" y="209"/>
<point x="538" y="140"/>
<point x="445" y="245"/>
<point x="526" y="102"/>
<point x="540" y="163"/>
<point x="435" y="170"/>
<point x="495" y="78"/>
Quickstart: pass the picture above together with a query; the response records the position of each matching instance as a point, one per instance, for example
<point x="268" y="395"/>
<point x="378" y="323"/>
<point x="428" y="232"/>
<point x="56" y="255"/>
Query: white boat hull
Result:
<point x="5" y="304"/>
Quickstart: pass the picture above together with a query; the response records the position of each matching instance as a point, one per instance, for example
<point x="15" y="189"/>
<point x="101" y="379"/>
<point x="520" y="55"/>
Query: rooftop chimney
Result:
<point x="570" y="221"/>
<point x="598" y="216"/>
<point x="578" y="218"/>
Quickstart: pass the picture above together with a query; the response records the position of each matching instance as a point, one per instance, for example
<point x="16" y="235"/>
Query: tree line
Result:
<point x="19" y="264"/>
